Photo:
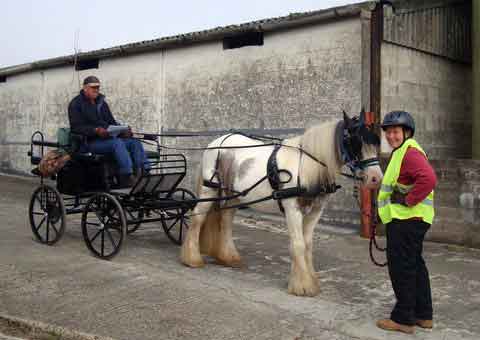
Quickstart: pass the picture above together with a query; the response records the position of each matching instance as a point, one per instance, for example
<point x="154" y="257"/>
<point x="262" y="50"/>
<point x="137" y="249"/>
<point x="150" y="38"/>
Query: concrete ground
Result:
<point x="145" y="293"/>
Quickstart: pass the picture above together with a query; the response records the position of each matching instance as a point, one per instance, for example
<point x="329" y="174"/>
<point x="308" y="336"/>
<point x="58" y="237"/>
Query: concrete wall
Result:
<point x="437" y="92"/>
<point x="457" y="202"/>
<point x="299" y="77"/>
<point x="39" y="101"/>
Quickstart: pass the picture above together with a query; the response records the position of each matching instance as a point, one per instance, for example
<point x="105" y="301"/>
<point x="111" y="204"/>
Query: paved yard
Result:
<point x="145" y="293"/>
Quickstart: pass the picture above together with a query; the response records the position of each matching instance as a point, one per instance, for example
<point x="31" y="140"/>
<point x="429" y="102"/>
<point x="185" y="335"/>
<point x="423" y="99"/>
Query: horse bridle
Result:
<point x="350" y="149"/>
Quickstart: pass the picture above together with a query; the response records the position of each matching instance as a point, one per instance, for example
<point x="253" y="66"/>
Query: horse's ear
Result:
<point x="362" y="116"/>
<point x="346" y="119"/>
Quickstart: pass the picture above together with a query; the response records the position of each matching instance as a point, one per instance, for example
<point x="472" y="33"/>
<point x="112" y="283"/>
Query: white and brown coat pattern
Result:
<point x="239" y="169"/>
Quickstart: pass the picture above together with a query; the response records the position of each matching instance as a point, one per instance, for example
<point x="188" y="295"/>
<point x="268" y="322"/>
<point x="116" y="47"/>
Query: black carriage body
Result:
<point x="79" y="176"/>
<point x="85" y="186"/>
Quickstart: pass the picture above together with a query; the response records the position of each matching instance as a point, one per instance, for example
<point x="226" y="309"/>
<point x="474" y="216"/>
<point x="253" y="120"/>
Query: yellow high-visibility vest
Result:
<point x="387" y="210"/>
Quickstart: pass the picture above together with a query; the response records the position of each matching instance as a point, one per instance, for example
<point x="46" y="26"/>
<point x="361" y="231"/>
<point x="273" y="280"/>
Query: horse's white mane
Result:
<point x="319" y="141"/>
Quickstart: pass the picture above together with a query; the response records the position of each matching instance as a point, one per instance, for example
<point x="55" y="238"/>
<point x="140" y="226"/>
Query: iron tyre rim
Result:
<point x="174" y="222"/>
<point x="131" y="228"/>
<point x="103" y="225"/>
<point x="47" y="215"/>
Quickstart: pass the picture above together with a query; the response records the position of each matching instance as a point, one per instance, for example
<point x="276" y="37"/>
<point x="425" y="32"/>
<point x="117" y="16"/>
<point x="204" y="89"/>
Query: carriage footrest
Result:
<point x="288" y="192"/>
<point x="210" y="184"/>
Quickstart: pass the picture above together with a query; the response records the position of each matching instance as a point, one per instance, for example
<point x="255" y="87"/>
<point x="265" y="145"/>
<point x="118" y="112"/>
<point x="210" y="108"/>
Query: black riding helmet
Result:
<point x="399" y="118"/>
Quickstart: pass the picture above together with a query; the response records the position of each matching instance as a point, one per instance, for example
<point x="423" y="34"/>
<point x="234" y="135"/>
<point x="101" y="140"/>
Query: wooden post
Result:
<point x="372" y="59"/>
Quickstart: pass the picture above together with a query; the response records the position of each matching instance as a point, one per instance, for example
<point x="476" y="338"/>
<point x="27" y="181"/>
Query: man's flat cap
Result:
<point x="91" y="81"/>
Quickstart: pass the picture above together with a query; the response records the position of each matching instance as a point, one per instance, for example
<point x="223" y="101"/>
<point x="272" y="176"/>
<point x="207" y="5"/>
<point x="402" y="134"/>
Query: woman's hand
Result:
<point x="398" y="198"/>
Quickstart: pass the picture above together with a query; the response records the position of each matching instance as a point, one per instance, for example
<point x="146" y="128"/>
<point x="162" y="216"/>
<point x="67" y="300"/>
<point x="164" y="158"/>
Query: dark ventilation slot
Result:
<point x="244" y="39"/>
<point x="3" y="79"/>
<point x="86" y="64"/>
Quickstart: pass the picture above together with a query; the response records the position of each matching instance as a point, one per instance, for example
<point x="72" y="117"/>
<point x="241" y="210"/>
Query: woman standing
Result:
<point x="405" y="206"/>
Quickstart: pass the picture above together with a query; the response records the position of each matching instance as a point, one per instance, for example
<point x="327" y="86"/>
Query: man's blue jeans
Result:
<point x="124" y="150"/>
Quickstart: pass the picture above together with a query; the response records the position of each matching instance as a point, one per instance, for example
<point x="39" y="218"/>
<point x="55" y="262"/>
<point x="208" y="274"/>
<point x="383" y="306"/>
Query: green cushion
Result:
<point x="152" y="154"/>
<point x="65" y="140"/>
<point x="63" y="136"/>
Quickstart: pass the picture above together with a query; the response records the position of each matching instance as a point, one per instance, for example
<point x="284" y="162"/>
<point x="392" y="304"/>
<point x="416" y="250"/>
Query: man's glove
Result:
<point x="398" y="198"/>
<point x="127" y="134"/>
<point x="102" y="132"/>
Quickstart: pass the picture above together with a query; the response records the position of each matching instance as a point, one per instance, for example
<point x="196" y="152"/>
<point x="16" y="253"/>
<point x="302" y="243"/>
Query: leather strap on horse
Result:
<point x="273" y="174"/>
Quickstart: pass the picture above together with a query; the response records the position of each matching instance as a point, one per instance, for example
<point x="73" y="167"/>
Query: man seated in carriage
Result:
<point x="90" y="116"/>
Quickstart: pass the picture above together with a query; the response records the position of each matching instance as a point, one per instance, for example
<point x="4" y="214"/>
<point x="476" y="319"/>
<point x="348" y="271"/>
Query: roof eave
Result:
<point x="266" y="25"/>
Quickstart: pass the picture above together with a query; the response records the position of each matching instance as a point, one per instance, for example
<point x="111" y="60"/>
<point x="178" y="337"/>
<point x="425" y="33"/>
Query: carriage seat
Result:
<point x="74" y="142"/>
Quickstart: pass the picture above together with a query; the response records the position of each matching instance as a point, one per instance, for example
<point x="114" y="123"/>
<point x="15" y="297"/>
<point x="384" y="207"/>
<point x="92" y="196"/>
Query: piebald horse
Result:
<point x="307" y="164"/>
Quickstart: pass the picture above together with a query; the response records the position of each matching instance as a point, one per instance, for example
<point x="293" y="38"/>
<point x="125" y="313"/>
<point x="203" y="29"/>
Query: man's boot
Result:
<point x="125" y="180"/>
<point x="390" y="325"/>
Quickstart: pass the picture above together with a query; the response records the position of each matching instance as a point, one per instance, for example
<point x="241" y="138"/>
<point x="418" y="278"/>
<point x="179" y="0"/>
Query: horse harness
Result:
<point x="274" y="178"/>
<point x="273" y="173"/>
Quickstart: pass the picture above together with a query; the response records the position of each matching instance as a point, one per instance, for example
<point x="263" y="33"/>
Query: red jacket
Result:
<point x="417" y="170"/>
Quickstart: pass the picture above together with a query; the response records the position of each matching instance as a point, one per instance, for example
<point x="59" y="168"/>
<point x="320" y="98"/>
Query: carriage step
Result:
<point x="210" y="184"/>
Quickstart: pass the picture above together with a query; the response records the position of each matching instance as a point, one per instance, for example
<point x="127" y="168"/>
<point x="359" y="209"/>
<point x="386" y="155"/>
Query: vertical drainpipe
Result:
<point x="373" y="116"/>
<point x="476" y="79"/>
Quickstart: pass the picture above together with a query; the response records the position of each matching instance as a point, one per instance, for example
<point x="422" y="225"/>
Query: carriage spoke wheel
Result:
<point x="47" y="215"/>
<point x="175" y="222"/>
<point x="103" y="225"/>
<point x="133" y="214"/>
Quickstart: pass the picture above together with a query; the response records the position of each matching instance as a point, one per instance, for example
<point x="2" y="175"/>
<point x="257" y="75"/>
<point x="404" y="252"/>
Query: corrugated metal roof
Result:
<point x="266" y="25"/>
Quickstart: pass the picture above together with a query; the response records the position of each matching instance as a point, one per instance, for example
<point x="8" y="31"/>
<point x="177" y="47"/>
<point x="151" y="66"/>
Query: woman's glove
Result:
<point x="398" y="198"/>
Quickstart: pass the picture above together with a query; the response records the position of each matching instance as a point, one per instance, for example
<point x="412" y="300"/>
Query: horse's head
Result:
<point x="360" y="145"/>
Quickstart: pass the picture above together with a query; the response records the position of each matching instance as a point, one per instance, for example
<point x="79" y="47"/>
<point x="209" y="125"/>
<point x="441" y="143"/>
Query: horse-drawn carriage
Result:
<point x="86" y="185"/>
<point x="293" y="176"/>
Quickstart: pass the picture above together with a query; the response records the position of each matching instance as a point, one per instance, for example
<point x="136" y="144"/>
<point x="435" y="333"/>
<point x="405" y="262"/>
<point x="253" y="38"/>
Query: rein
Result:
<point x="346" y="153"/>
<point x="259" y="137"/>
<point x="373" y="239"/>
<point x="373" y="226"/>
<point x="351" y="159"/>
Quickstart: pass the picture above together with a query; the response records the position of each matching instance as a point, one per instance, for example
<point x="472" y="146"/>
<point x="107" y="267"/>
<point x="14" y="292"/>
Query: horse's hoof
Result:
<point x="194" y="264"/>
<point x="237" y="263"/>
<point x="191" y="261"/>
<point x="310" y="288"/>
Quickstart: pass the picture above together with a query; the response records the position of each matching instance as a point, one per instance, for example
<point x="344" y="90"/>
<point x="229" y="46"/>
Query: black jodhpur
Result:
<point x="408" y="272"/>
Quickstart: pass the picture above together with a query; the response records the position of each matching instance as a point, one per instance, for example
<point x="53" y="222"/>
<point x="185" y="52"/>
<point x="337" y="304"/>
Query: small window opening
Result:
<point x="245" y="39"/>
<point x="3" y="79"/>
<point x="86" y="64"/>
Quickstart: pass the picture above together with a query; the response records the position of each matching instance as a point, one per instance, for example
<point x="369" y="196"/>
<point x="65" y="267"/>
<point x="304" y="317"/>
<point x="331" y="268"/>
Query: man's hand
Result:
<point x="398" y="198"/>
<point x="102" y="132"/>
<point x="127" y="134"/>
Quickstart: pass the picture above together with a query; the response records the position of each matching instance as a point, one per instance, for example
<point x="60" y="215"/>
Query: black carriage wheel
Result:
<point x="103" y="225"/>
<point x="175" y="223"/>
<point x="47" y="215"/>
<point x="133" y="214"/>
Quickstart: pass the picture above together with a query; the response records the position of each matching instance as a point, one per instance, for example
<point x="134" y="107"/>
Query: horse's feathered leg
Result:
<point x="227" y="252"/>
<point x="309" y="223"/>
<point x="190" y="251"/>
<point x="203" y="213"/>
<point x="302" y="281"/>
